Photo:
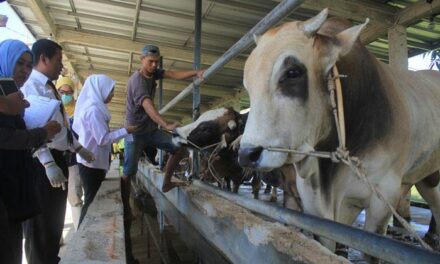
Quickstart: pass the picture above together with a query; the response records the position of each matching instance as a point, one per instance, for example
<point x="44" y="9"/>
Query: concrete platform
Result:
<point x="100" y="238"/>
<point x="240" y="235"/>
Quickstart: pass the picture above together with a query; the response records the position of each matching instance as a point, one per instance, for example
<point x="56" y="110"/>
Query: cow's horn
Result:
<point x="256" y="38"/>
<point x="311" y="26"/>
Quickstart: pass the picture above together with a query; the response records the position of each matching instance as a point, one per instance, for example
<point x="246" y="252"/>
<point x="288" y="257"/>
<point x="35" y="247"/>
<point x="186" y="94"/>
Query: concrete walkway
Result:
<point x="100" y="238"/>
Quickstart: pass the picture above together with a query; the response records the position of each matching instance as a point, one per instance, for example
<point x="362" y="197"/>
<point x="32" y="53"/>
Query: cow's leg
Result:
<point x="228" y="183"/>
<point x="378" y="214"/>
<point x="403" y="206"/>
<point x="235" y="184"/>
<point x="291" y="198"/>
<point x="256" y="184"/>
<point x="273" y="194"/>
<point x="432" y="197"/>
<point x="346" y="214"/>
<point x="268" y="188"/>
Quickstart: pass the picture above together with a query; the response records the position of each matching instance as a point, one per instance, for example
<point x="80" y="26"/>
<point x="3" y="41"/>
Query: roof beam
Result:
<point x="189" y="16"/>
<point x="405" y="17"/>
<point x="125" y="45"/>
<point x="136" y="19"/>
<point x="43" y="17"/>
<point x="130" y="63"/>
<point x="72" y="6"/>
<point x="45" y="21"/>
<point x="354" y="10"/>
<point x="169" y="85"/>
<point x="151" y="26"/>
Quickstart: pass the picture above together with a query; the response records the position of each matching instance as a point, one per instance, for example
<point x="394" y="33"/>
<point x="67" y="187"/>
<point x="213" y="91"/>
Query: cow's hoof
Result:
<point x="432" y="240"/>
<point x="273" y="199"/>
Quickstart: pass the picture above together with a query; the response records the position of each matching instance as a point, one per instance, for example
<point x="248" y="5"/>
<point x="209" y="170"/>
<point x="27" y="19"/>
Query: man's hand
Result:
<point x="14" y="103"/>
<point x="55" y="175"/>
<point x="172" y="126"/>
<point x="52" y="128"/>
<point x="132" y="129"/>
<point x="85" y="154"/>
<point x="200" y="73"/>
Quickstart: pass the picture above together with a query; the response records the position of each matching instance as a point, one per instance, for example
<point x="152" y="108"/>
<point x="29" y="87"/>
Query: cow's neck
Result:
<point x="366" y="106"/>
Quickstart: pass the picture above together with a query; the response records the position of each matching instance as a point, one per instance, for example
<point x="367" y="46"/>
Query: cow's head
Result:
<point x="209" y="128"/>
<point x="285" y="76"/>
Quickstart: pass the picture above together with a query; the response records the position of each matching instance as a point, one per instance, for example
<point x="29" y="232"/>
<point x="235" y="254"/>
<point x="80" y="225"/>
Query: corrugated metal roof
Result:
<point x="105" y="36"/>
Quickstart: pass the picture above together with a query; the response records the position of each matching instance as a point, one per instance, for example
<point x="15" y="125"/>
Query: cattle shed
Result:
<point x="106" y="37"/>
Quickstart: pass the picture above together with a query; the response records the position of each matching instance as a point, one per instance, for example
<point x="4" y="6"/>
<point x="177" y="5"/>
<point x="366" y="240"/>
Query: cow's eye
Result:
<point x="291" y="73"/>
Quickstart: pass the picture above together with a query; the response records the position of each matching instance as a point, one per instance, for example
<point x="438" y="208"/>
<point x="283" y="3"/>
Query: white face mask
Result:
<point x="66" y="99"/>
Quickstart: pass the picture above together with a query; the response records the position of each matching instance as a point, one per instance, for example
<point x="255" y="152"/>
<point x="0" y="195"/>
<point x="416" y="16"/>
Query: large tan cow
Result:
<point x="392" y="120"/>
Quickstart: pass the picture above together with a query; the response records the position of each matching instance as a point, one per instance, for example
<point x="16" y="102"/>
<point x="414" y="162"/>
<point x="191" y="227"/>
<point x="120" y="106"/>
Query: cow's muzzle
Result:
<point x="249" y="156"/>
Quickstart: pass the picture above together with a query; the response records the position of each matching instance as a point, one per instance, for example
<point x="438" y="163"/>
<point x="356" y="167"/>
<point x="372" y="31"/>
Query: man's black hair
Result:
<point x="45" y="47"/>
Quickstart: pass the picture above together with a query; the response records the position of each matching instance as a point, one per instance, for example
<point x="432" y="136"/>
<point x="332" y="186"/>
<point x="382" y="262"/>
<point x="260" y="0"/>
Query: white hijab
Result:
<point x="94" y="92"/>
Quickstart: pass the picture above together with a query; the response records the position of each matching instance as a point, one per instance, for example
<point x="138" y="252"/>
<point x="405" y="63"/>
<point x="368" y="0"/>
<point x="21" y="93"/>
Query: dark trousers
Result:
<point x="91" y="179"/>
<point x="43" y="232"/>
<point x="11" y="236"/>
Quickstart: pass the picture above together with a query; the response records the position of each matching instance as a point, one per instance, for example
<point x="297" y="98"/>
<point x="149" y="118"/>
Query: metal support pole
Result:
<point x="196" y="66"/>
<point x="160" y="106"/>
<point x="370" y="243"/>
<point x="276" y="15"/>
<point x="197" y="51"/>
<point x="161" y="221"/>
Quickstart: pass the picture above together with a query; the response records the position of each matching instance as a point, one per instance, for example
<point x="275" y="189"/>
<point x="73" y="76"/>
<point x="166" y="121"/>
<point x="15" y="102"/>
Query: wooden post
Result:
<point x="398" y="50"/>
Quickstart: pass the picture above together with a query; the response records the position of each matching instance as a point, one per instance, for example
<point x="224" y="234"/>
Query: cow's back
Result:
<point x="416" y="95"/>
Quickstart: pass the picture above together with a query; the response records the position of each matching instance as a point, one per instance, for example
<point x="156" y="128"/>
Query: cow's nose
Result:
<point x="248" y="156"/>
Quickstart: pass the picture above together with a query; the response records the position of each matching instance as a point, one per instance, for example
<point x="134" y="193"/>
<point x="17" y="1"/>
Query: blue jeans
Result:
<point x="134" y="147"/>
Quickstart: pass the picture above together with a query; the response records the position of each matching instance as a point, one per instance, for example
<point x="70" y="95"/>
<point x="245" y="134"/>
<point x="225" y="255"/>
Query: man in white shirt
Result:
<point x="43" y="232"/>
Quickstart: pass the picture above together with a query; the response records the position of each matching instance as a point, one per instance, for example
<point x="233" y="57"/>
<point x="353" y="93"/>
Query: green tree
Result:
<point x="435" y="59"/>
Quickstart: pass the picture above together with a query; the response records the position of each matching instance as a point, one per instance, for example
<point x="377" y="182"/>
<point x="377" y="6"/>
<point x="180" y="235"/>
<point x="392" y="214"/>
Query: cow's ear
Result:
<point x="347" y="38"/>
<point x="232" y="124"/>
<point x="333" y="49"/>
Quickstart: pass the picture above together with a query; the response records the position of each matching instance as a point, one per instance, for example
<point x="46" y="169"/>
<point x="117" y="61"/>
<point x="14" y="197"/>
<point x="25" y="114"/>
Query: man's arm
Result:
<point x="11" y="138"/>
<point x="17" y="139"/>
<point x="13" y="104"/>
<point x="152" y="112"/>
<point x="181" y="75"/>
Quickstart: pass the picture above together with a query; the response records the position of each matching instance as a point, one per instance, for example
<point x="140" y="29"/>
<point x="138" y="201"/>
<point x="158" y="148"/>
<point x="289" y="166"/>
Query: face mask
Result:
<point x="66" y="99"/>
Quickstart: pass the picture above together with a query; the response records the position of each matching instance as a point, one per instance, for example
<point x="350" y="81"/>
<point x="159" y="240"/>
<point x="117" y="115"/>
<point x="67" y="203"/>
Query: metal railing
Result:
<point x="372" y="244"/>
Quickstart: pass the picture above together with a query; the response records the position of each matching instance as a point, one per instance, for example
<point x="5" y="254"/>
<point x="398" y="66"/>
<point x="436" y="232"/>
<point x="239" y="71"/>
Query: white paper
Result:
<point x="40" y="111"/>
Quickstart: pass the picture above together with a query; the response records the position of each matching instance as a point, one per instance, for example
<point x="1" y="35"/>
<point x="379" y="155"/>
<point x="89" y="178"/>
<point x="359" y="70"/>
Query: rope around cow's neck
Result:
<point x="211" y="155"/>
<point x="341" y="154"/>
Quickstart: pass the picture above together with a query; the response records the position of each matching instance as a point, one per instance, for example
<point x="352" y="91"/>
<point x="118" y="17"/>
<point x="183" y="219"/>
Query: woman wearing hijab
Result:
<point x="65" y="87"/>
<point x="91" y="124"/>
<point x="17" y="190"/>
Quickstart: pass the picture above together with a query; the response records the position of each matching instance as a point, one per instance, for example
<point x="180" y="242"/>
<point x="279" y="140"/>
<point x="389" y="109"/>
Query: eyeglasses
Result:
<point x="65" y="92"/>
